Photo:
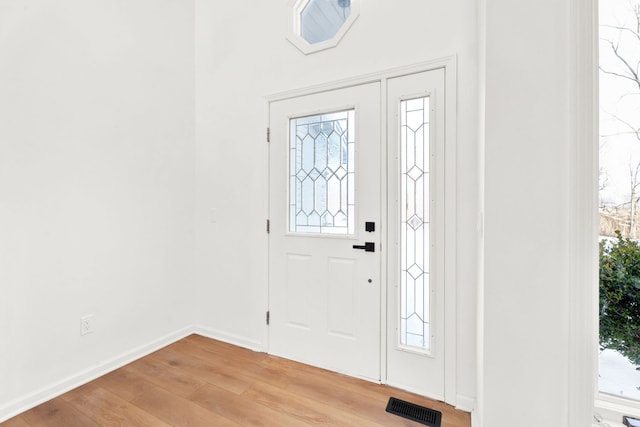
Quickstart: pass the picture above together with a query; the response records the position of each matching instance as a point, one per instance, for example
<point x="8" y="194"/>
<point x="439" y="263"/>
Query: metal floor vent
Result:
<point x="414" y="412"/>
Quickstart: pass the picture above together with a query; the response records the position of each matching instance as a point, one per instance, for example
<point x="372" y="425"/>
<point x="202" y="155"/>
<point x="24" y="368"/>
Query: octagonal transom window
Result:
<point x="320" y="24"/>
<point x="320" y="20"/>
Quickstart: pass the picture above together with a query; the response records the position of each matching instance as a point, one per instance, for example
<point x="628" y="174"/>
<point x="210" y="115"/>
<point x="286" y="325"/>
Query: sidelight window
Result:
<point x="415" y="223"/>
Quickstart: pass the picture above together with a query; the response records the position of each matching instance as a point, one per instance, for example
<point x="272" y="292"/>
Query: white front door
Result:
<point x="324" y="266"/>
<point x="416" y="233"/>
<point x="331" y="173"/>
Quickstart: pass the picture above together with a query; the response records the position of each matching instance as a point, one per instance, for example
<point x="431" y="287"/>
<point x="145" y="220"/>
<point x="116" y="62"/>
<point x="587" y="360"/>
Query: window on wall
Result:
<point x="619" y="306"/>
<point x="320" y="24"/>
<point x="320" y="20"/>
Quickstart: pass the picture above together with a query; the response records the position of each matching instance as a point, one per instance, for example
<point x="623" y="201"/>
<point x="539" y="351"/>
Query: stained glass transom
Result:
<point x="414" y="235"/>
<point x="321" y="173"/>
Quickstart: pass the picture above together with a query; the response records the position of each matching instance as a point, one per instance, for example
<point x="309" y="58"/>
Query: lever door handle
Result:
<point x="368" y="247"/>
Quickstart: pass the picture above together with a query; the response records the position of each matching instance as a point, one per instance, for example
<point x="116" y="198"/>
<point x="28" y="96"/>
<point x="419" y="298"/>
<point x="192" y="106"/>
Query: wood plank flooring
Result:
<point x="202" y="382"/>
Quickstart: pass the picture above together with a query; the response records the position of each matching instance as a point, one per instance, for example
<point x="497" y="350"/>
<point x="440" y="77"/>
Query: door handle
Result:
<point x="368" y="247"/>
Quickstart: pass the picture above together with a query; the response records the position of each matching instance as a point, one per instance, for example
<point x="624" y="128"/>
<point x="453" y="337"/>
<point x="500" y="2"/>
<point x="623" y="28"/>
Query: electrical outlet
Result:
<point x="86" y="324"/>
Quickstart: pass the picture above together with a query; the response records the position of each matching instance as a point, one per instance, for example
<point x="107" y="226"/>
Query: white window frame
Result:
<point x="585" y="400"/>
<point x="294" y="28"/>
<point x="583" y="311"/>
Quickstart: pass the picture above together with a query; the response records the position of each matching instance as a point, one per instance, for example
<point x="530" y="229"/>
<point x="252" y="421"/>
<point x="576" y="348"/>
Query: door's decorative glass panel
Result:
<point x="321" y="173"/>
<point x="320" y="20"/>
<point x="414" y="234"/>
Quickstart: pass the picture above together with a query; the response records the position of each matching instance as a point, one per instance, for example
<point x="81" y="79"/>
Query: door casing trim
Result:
<point x="449" y="64"/>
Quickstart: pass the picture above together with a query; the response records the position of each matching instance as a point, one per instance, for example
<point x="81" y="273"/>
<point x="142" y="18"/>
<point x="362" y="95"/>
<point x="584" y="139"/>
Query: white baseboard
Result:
<point x="608" y="423"/>
<point x="51" y="391"/>
<point x="418" y="392"/>
<point x="465" y="403"/>
<point x="24" y="403"/>
<point x="475" y="420"/>
<point x="238" y="340"/>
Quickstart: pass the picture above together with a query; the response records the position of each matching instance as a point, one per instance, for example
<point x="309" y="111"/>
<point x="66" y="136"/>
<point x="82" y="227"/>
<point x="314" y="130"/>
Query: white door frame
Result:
<point x="449" y="64"/>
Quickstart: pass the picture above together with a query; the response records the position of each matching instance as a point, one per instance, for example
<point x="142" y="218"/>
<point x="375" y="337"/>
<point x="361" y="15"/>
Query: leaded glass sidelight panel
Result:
<point x="414" y="234"/>
<point x="321" y="173"/>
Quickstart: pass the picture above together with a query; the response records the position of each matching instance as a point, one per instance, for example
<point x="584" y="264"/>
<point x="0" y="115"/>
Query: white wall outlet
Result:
<point x="86" y="324"/>
<point x="213" y="215"/>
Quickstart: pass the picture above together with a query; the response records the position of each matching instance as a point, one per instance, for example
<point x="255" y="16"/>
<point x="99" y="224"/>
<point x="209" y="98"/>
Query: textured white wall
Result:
<point x="527" y="263"/>
<point x="97" y="178"/>
<point x="242" y="55"/>
<point x="96" y="182"/>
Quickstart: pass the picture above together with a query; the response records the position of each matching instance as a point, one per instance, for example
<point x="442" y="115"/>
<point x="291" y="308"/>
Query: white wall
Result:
<point x="525" y="361"/>
<point x="96" y="183"/>
<point x="97" y="180"/>
<point x="242" y="55"/>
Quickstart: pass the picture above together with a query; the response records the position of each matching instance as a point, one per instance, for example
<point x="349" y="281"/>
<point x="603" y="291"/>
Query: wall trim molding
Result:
<point x="51" y="391"/>
<point x="465" y="403"/>
<point x="611" y="409"/>
<point x="450" y="67"/>
<point x="234" y="339"/>
<point x="48" y="392"/>
<point x="447" y="62"/>
<point x="583" y="206"/>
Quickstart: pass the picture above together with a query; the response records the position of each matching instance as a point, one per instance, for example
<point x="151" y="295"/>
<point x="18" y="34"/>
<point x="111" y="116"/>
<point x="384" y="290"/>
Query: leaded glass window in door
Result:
<point x="415" y="223"/>
<point x="321" y="173"/>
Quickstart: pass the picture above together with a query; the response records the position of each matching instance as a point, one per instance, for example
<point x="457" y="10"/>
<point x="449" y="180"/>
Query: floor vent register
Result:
<point x="414" y="412"/>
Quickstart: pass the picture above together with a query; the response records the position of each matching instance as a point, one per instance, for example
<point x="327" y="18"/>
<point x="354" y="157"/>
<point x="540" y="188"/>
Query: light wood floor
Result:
<point x="202" y="382"/>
